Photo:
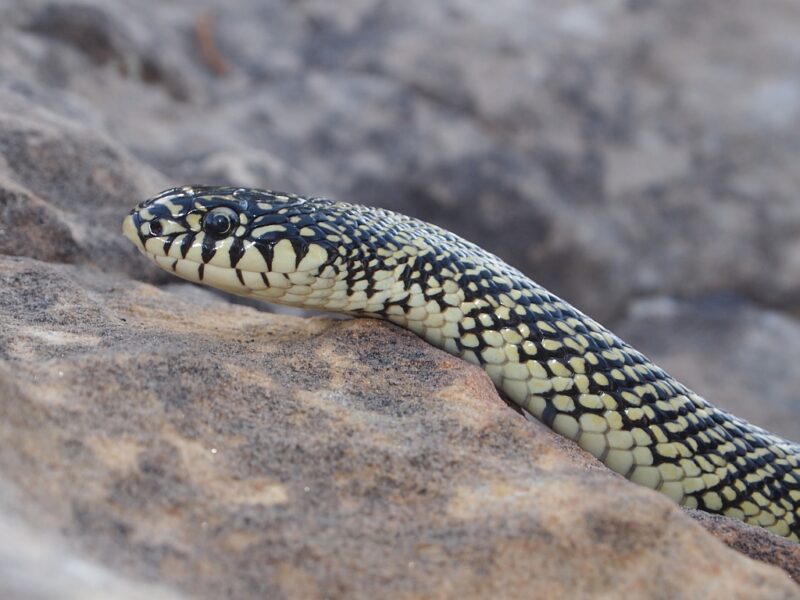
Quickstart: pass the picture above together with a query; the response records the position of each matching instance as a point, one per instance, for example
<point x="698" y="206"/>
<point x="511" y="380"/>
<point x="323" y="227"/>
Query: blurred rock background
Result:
<point x="637" y="157"/>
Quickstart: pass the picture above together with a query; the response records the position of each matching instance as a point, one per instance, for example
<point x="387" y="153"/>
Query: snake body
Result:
<point x="547" y="357"/>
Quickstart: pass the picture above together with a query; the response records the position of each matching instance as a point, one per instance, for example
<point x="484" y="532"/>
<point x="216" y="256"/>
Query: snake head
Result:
<point x="240" y="240"/>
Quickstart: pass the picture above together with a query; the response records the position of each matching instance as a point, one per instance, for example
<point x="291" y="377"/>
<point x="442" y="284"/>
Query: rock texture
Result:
<point x="230" y="453"/>
<point x="39" y="566"/>
<point x="754" y="542"/>
<point x="636" y="157"/>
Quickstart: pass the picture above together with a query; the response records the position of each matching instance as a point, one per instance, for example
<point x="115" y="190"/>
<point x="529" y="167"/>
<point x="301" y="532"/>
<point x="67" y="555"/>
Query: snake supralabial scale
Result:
<point x="547" y="357"/>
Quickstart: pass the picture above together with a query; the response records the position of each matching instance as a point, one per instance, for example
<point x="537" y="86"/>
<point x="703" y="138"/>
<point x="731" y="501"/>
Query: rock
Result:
<point x="754" y="542"/>
<point x="63" y="188"/>
<point x="227" y="452"/>
<point x="223" y="451"/>
<point x="38" y="567"/>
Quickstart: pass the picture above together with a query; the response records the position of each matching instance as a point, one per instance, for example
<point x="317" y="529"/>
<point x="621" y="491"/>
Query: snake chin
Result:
<point x="277" y="288"/>
<point x="196" y="272"/>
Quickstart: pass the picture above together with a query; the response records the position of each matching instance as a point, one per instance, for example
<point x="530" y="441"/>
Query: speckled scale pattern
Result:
<point x="545" y="356"/>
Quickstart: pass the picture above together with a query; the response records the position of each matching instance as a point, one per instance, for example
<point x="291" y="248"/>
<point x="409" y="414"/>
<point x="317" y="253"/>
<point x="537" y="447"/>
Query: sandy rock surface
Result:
<point x="636" y="157"/>
<point x="227" y="452"/>
<point x="752" y="541"/>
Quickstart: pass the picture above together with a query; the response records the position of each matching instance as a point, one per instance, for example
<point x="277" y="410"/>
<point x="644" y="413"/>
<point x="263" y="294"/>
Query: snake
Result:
<point x="546" y="357"/>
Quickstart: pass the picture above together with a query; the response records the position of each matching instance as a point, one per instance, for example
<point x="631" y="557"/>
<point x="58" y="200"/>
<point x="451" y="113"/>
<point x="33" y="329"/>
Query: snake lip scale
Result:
<point x="546" y="356"/>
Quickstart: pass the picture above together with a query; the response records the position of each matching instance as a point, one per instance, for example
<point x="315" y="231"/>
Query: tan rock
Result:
<point x="753" y="541"/>
<point x="226" y="452"/>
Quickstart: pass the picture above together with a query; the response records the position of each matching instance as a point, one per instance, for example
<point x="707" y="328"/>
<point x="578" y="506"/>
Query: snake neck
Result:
<point x="379" y="264"/>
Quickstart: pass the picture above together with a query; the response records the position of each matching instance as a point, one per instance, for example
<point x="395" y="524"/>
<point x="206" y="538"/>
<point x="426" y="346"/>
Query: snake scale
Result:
<point x="547" y="357"/>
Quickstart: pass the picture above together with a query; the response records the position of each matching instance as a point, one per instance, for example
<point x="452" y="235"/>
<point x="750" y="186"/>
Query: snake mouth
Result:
<point x="228" y="279"/>
<point x="269" y="286"/>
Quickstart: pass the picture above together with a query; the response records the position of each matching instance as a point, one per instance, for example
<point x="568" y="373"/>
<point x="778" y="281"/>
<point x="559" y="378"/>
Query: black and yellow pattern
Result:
<point x="546" y="356"/>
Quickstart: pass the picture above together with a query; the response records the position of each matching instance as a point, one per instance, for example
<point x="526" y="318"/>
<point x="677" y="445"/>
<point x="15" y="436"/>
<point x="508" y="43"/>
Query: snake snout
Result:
<point x="130" y="229"/>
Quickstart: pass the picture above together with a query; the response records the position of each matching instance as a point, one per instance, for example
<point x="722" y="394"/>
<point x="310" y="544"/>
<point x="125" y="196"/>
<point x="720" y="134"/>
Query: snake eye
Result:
<point x="220" y="222"/>
<point x="156" y="228"/>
